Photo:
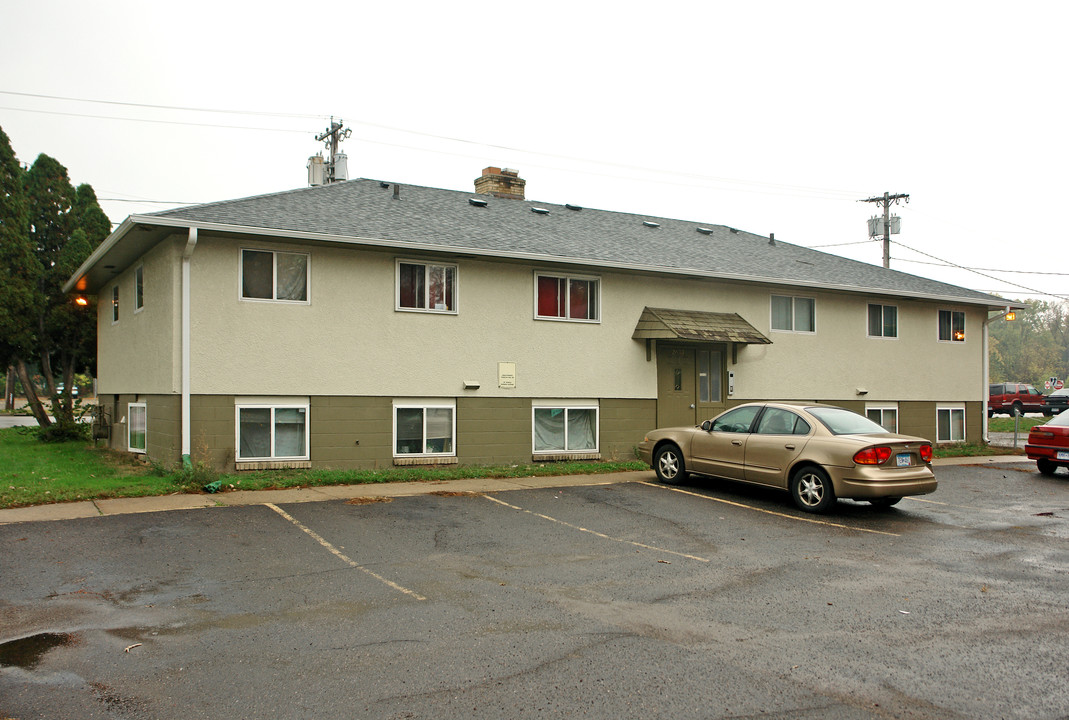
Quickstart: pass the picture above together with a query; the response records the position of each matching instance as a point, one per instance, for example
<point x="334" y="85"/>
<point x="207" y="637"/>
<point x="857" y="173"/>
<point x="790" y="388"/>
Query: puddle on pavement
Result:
<point x="27" y="652"/>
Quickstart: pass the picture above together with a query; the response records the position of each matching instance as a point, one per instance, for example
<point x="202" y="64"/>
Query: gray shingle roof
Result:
<point x="434" y="219"/>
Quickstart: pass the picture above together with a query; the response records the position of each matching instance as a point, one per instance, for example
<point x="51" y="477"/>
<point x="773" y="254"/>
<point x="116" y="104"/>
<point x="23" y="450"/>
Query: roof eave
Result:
<point x="135" y="220"/>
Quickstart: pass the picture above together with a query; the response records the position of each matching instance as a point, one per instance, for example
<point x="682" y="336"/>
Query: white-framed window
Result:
<point x="951" y="326"/>
<point x="424" y="427"/>
<point x="794" y="314"/>
<point x="139" y="288"/>
<point x="885" y="415"/>
<point x="137" y="427"/>
<point x="564" y="427"/>
<point x="883" y="321"/>
<point x="426" y="287"/>
<point x="115" y="304"/>
<point x="274" y="275"/>
<point x="950" y="424"/>
<point x="564" y="297"/>
<point x="272" y="429"/>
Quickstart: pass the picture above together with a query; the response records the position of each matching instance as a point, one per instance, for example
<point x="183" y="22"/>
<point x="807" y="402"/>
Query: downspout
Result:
<point x="191" y="244"/>
<point x="986" y="379"/>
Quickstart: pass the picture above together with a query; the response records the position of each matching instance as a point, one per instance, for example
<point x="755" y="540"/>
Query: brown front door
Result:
<point x="676" y="396"/>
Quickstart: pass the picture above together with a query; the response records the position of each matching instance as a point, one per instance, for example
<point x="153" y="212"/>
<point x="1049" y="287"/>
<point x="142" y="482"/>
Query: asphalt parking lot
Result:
<point x="628" y="600"/>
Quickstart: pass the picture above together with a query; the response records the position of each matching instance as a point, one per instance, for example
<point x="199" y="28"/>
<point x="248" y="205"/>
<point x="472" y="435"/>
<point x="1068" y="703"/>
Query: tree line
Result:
<point x="48" y="228"/>
<point x="1033" y="347"/>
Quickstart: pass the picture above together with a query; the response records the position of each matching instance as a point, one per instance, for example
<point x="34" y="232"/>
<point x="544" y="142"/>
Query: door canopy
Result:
<point x="696" y="326"/>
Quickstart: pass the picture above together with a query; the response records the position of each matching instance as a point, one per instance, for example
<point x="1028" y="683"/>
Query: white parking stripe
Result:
<point x="770" y="512"/>
<point x="342" y="556"/>
<point x="594" y="532"/>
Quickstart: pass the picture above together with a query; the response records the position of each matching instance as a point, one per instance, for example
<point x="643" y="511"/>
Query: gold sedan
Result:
<point x="818" y="453"/>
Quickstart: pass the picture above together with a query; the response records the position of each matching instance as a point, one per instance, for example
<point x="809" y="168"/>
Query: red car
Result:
<point x="1048" y="444"/>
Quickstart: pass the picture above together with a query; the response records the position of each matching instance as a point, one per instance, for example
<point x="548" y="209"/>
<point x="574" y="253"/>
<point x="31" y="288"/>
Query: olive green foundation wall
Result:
<point x="351" y="433"/>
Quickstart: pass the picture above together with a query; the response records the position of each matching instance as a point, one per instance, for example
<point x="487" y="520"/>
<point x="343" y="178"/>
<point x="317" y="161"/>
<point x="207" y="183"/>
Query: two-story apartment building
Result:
<point x="364" y="324"/>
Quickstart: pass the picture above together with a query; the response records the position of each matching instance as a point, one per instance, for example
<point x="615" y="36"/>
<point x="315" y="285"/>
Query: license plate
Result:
<point x="904" y="460"/>
<point x="1062" y="455"/>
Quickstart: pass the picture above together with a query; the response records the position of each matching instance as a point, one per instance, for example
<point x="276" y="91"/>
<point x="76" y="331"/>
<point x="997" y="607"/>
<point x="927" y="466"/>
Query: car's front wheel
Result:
<point x="811" y="489"/>
<point x="669" y="465"/>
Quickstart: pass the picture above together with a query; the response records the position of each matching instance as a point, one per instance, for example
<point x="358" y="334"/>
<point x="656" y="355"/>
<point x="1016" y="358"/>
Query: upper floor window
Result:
<point x="566" y="298"/>
<point x="883" y="321"/>
<point x="115" y="304"/>
<point x="271" y="275"/>
<point x="796" y="314"/>
<point x="951" y="326"/>
<point x="423" y="286"/>
<point x="139" y="288"/>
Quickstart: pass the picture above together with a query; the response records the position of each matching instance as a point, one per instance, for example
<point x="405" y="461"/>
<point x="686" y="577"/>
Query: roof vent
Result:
<point x="734" y="230"/>
<point x="573" y="207"/>
<point x="650" y="223"/>
<point x="705" y="231"/>
<point x="384" y="185"/>
<point x="477" y="202"/>
<point x="540" y="211"/>
<point x="772" y="239"/>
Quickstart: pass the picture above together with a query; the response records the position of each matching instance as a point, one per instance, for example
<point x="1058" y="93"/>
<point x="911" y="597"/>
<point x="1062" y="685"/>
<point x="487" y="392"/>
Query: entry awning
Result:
<point x="696" y="326"/>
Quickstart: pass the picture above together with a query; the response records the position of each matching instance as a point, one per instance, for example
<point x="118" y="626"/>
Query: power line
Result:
<point x="147" y="120"/>
<point x="159" y="107"/>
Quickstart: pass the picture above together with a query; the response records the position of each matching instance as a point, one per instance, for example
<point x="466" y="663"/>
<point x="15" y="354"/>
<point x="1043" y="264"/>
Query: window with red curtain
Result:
<point x="569" y="298"/>
<point x="550" y="296"/>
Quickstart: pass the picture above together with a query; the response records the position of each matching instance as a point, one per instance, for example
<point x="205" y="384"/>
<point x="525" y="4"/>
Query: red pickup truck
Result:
<point x="1009" y="398"/>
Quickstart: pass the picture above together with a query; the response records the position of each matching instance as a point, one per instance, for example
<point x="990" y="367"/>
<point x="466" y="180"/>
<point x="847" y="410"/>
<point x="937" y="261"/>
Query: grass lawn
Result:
<point x="34" y="473"/>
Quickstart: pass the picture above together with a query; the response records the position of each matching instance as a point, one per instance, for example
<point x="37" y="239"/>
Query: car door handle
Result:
<point x="736" y="442"/>
<point x="789" y="446"/>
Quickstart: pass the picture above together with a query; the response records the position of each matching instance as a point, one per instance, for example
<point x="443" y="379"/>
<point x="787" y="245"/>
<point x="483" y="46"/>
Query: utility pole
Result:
<point x="886" y="201"/>
<point x="332" y="137"/>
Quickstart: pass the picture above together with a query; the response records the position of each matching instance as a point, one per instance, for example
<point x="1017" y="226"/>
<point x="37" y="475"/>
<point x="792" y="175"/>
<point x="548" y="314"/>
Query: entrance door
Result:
<point x="676" y="397"/>
<point x="690" y="383"/>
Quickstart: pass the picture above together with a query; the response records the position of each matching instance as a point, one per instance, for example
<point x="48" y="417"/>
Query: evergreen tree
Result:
<point x="47" y="229"/>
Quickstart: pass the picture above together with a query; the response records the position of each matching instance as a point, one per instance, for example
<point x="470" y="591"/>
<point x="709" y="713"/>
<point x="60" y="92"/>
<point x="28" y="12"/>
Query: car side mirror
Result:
<point x="707" y="426"/>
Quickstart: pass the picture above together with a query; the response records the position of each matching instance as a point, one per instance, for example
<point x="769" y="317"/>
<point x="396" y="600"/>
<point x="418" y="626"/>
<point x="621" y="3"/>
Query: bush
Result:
<point x="61" y="431"/>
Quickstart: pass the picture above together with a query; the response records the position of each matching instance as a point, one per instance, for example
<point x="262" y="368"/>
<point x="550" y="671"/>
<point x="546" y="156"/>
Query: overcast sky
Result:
<point x="765" y="116"/>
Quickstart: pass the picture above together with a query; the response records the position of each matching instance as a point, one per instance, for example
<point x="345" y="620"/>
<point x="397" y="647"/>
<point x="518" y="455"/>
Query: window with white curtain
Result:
<point x="424" y="429"/>
<point x="793" y="314"/>
<point x="272" y="432"/>
<point x="565" y="429"/>
<point x="271" y="275"/>
<point x="137" y="427"/>
<point x="423" y="286"/>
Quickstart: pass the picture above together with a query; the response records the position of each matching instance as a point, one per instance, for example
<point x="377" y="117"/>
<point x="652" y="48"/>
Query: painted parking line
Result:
<point x="342" y="556"/>
<point x="815" y="521"/>
<point x="595" y="532"/>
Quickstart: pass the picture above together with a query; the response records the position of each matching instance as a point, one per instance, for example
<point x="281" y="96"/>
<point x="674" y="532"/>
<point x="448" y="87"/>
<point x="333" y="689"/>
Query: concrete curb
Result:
<point x="164" y="503"/>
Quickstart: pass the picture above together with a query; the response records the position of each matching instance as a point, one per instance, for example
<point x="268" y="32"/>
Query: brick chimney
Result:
<point x="500" y="183"/>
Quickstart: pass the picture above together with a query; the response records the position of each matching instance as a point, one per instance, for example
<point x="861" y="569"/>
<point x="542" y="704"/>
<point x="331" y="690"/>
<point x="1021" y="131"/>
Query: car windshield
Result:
<point x="845" y="422"/>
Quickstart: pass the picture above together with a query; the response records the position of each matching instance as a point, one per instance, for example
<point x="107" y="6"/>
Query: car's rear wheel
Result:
<point x="811" y="489"/>
<point x="885" y="502"/>
<point x="1018" y="409"/>
<point x="669" y="465"/>
<point x="1046" y="466"/>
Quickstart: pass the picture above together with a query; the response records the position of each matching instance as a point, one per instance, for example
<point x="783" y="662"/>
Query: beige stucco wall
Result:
<point x="349" y="339"/>
<point x="140" y="352"/>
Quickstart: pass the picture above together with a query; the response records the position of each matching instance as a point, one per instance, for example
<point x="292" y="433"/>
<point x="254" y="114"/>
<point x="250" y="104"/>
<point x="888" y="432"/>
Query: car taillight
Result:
<point x="926" y="453"/>
<point x="1042" y="433"/>
<point x="873" y="455"/>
